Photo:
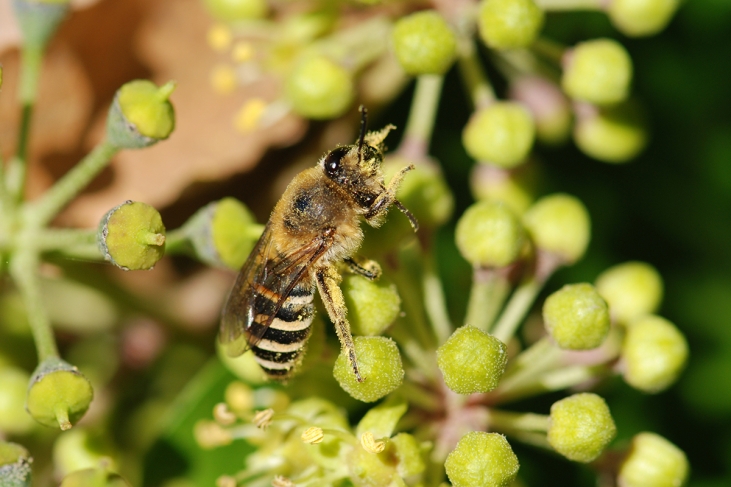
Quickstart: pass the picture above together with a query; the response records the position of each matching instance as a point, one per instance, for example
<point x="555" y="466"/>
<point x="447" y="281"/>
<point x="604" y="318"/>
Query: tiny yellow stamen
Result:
<point x="223" y="415"/>
<point x="219" y="37"/>
<point x="280" y="481"/>
<point x="248" y="118"/>
<point x="263" y="418"/>
<point x="210" y="434"/>
<point x="370" y="444"/>
<point x="225" y="481"/>
<point x="223" y="79"/>
<point x="313" y="435"/>
<point x="242" y="51"/>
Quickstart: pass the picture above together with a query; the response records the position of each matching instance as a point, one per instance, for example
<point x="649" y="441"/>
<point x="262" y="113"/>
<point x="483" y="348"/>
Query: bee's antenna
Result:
<point x="363" y="123"/>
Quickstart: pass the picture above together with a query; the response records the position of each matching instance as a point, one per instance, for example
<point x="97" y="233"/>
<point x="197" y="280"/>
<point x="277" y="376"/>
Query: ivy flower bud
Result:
<point x="319" y="88"/>
<point x="597" y="71"/>
<point x="38" y="20"/>
<point x="483" y="459"/>
<point x="501" y="134"/>
<point x="13" y="418"/>
<point x="613" y="134"/>
<point x="631" y="289"/>
<point x="654" y="353"/>
<point x="489" y="235"/>
<point x="424" y="43"/>
<point x="97" y="477"/>
<point x="509" y="24"/>
<point x="380" y="366"/>
<point x="58" y="395"/>
<point x="15" y="463"/>
<point x="653" y="462"/>
<point x="235" y="10"/>
<point x="132" y="236"/>
<point x="372" y="305"/>
<point x="576" y="317"/>
<point x="223" y="233"/>
<point x="559" y="224"/>
<point x="472" y="361"/>
<point x="140" y="115"/>
<point x="637" y="18"/>
<point x="580" y="427"/>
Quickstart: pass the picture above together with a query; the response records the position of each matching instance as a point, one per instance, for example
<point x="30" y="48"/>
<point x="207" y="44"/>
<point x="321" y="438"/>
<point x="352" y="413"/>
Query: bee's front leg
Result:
<point x="328" y="283"/>
<point x="383" y="202"/>
<point x="363" y="267"/>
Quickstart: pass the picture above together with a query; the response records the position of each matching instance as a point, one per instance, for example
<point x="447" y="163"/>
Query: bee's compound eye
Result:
<point x="333" y="159"/>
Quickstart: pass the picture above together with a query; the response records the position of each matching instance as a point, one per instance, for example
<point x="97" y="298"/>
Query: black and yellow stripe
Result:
<point x="282" y="344"/>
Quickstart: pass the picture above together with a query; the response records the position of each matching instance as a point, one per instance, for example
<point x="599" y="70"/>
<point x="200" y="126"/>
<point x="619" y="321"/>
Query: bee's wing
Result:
<point x="264" y="271"/>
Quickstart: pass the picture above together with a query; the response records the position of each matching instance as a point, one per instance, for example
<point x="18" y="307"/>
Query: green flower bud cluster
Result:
<point x="15" y="470"/>
<point x="424" y="43"/>
<point x="509" y="24"/>
<point x="576" y="317"/>
<point x="140" y="115"/>
<point x="501" y="134"/>
<point x="559" y="224"/>
<point x="598" y="71"/>
<point x="484" y="459"/>
<point x="632" y="289"/>
<point x="132" y="236"/>
<point x="58" y="394"/>
<point x="489" y="234"/>
<point x="472" y="361"/>
<point x="653" y="462"/>
<point x="581" y="427"/>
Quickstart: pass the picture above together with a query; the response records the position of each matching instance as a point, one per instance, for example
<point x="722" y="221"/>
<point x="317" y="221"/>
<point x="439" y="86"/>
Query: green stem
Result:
<point x="412" y="299"/>
<point x="178" y="243"/>
<point x="474" y="77"/>
<point x="516" y="309"/>
<point x="434" y="301"/>
<point x="23" y="268"/>
<point x="554" y="380"/>
<point x="510" y="422"/>
<point x="549" y="49"/>
<point x="563" y="5"/>
<point x="489" y="290"/>
<point x="60" y="238"/>
<point x="42" y="211"/>
<point x="422" y="115"/>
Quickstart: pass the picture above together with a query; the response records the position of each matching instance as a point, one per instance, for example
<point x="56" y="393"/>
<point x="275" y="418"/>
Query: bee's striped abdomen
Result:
<point x="282" y="344"/>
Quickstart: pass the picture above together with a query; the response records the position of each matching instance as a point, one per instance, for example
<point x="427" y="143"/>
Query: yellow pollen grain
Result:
<point x="248" y="117"/>
<point x="370" y="444"/>
<point x="219" y="37"/>
<point x="223" y="79"/>
<point x="242" y="51"/>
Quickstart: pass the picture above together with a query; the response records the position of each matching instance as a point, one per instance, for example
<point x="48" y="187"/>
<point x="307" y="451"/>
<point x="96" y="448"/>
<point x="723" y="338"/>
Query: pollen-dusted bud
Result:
<point x="58" y="394"/>
<point x="631" y="289"/>
<point x="653" y="462"/>
<point x="380" y="366"/>
<point x="637" y="18"/>
<point x="15" y="463"/>
<point x="580" y="427"/>
<point x="223" y="233"/>
<point x="501" y="134"/>
<point x="597" y="71"/>
<point x="132" y="236"/>
<point x="96" y="477"/>
<point x="140" y="115"/>
<point x="483" y="459"/>
<point x="654" y="353"/>
<point x="576" y="317"/>
<point x="489" y="234"/>
<point x="319" y="88"/>
<point x="236" y="10"/>
<point x="372" y="305"/>
<point x="472" y="361"/>
<point x="39" y="19"/>
<point x="424" y="43"/>
<point x="509" y="24"/>
<point x="559" y="224"/>
<point x="13" y="418"/>
<point x="614" y="134"/>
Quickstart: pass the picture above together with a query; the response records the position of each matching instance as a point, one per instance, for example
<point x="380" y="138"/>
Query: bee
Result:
<point x="313" y="230"/>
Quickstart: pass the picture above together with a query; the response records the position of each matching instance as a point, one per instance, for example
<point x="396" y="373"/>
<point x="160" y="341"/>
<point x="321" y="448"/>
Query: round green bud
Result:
<point x="58" y="395"/>
<point x="576" y="317"/>
<point x="79" y="449"/>
<point x="472" y="360"/>
<point x="223" y="233"/>
<point x="654" y="353"/>
<point x="559" y="224"/>
<point x="39" y="20"/>
<point x="380" y="366"/>
<point x="580" y="427"/>
<point x="632" y="289"/>
<point x="132" y="236"/>
<point x="140" y="115"/>
<point x="501" y="134"/>
<point x="14" y="420"/>
<point x="319" y="88"/>
<point x="613" y="134"/>
<point x="548" y="105"/>
<point x="15" y="463"/>
<point x="424" y="43"/>
<point x="598" y="71"/>
<point x="509" y="24"/>
<point x="641" y="17"/>
<point x="372" y="305"/>
<point x="233" y="10"/>
<point x="93" y="477"/>
<point x="653" y="462"/>
<point x="483" y="459"/>
<point x="489" y="234"/>
<point x="516" y="188"/>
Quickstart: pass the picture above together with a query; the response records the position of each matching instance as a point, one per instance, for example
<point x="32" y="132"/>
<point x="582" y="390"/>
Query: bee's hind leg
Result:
<point x="328" y="280"/>
<point x="363" y="267"/>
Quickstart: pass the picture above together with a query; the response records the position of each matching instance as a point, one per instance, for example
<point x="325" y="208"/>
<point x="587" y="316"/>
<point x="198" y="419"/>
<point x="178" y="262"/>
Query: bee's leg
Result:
<point x="363" y="267"/>
<point x="388" y="198"/>
<point x="328" y="280"/>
